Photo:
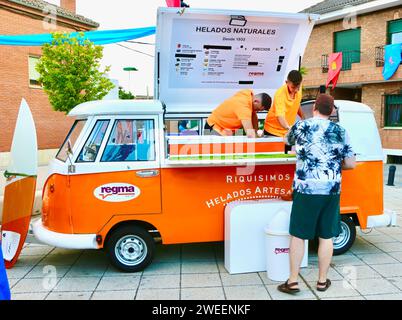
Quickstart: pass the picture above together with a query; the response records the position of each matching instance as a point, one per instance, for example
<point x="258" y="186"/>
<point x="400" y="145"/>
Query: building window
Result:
<point x="394" y="31"/>
<point x="393" y="110"/>
<point x="348" y="42"/>
<point x="33" y="74"/>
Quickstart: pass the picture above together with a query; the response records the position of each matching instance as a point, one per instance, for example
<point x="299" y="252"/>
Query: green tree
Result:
<point x="303" y="71"/>
<point x="125" y="95"/>
<point x="70" y="71"/>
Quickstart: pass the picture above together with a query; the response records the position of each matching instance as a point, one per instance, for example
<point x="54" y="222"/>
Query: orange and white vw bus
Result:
<point x="133" y="172"/>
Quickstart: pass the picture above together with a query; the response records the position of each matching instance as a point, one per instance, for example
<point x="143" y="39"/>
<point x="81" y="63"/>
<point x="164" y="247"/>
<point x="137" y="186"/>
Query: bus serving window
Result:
<point x="131" y="140"/>
<point x="70" y="140"/>
<point x="334" y="117"/>
<point x="307" y="108"/>
<point x="93" y="143"/>
<point x="183" y="127"/>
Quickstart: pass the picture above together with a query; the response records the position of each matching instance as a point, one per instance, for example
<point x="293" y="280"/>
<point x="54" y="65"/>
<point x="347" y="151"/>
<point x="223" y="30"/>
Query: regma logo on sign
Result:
<point x="116" y="192"/>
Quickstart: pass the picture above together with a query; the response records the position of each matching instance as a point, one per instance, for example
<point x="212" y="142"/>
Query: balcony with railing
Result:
<point x="348" y="57"/>
<point x="379" y="56"/>
<point x="324" y="63"/>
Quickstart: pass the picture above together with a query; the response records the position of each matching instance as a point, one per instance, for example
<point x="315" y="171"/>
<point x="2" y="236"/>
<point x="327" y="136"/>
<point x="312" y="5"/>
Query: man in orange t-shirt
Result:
<point x="286" y="106"/>
<point x="238" y="111"/>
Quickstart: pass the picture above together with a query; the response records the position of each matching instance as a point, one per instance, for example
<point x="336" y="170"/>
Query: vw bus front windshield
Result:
<point x="71" y="139"/>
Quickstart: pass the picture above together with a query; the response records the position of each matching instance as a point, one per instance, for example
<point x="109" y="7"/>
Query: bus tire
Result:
<point x="347" y="237"/>
<point x="130" y="248"/>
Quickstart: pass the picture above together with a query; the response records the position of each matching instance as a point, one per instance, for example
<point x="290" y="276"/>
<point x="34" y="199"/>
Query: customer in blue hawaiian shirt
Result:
<point x="322" y="151"/>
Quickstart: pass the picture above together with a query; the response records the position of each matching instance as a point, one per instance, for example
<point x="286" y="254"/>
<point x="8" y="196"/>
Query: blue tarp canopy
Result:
<point x="98" y="37"/>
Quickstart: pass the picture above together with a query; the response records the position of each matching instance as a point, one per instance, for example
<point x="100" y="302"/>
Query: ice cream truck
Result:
<point x="131" y="173"/>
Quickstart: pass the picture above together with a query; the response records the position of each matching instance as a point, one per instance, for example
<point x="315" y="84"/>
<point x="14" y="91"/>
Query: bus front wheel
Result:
<point x="130" y="248"/>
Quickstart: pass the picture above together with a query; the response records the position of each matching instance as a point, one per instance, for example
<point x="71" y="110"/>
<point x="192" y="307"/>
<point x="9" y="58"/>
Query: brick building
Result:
<point x="360" y="29"/>
<point x="17" y="72"/>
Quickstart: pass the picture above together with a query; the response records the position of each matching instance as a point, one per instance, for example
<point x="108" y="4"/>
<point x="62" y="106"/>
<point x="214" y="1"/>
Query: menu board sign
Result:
<point x="214" y="54"/>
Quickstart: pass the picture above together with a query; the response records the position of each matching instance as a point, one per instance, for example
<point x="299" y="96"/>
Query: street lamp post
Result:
<point x="129" y="69"/>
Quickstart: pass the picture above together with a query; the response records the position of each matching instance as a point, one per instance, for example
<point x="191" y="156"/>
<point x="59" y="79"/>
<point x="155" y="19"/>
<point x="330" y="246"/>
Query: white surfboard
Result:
<point x="24" y="154"/>
<point x="20" y="187"/>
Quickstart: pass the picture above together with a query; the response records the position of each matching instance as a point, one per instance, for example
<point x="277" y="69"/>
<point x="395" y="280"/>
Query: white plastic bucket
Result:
<point x="277" y="242"/>
<point x="277" y="256"/>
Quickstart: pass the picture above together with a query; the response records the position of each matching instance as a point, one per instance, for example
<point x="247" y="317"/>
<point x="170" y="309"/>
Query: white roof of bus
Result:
<point x="116" y="107"/>
<point x="352" y="106"/>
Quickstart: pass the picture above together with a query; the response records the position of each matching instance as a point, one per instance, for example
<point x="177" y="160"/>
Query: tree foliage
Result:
<point x="303" y="71"/>
<point x="125" y="95"/>
<point x="70" y="73"/>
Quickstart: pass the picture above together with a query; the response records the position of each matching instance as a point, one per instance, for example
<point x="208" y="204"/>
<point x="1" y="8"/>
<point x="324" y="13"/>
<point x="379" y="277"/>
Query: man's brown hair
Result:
<point x="324" y="104"/>
<point x="295" y="77"/>
<point x="266" y="100"/>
